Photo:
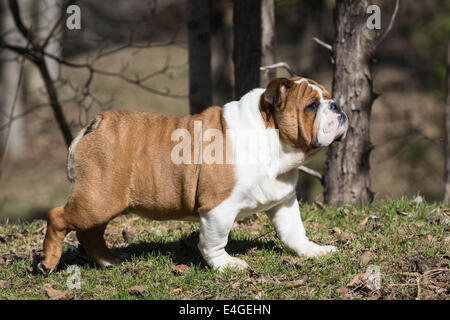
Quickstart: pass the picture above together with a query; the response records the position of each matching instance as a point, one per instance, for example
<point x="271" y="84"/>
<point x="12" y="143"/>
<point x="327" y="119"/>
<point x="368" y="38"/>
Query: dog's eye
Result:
<point x="312" y="107"/>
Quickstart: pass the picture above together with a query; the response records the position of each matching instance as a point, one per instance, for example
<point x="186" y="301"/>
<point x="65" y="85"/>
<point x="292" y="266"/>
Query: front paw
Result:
<point x="232" y="263"/>
<point x="313" y="250"/>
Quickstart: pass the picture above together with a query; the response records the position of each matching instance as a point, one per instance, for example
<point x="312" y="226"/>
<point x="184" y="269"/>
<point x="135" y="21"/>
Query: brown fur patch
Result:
<point x="126" y="164"/>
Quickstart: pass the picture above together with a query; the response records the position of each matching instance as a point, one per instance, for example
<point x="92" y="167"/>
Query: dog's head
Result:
<point x="303" y="112"/>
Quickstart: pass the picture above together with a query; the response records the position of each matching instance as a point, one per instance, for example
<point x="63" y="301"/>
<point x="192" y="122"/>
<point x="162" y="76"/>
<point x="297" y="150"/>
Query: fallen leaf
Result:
<point x="445" y="219"/>
<point x="235" y="285"/>
<point x="344" y="236"/>
<point x="5" y="284"/>
<point x="359" y="279"/>
<point x="292" y="261"/>
<point x="364" y="222"/>
<point x="441" y="284"/>
<point x="18" y="235"/>
<point x="296" y="283"/>
<point x="402" y="213"/>
<point x="375" y="297"/>
<point x="337" y="230"/>
<point x="181" y="269"/>
<point x="138" y="289"/>
<point x="366" y="257"/>
<point x="264" y="279"/>
<point x="176" y="290"/>
<point x="317" y="225"/>
<point x="342" y="290"/>
<point x="319" y="204"/>
<point x="2" y="237"/>
<point x="55" y="294"/>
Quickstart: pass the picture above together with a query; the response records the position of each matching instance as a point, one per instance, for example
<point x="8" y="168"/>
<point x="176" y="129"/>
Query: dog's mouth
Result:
<point x="343" y="122"/>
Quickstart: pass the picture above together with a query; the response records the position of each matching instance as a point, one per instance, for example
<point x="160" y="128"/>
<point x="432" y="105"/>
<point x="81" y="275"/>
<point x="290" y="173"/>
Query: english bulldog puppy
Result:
<point x="184" y="168"/>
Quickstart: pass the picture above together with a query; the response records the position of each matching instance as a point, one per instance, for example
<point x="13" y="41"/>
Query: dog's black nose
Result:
<point x="334" y="107"/>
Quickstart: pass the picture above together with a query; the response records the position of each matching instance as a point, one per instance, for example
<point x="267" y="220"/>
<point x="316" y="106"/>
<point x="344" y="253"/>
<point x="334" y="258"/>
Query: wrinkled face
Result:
<point x="303" y="112"/>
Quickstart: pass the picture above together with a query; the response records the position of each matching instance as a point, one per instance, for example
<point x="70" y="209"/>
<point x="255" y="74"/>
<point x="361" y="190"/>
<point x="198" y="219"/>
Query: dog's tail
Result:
<point x="71" y="164"/>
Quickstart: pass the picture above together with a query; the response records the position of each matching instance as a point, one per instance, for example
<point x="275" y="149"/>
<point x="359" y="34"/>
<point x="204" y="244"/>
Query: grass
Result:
<point x="409" y="242"/>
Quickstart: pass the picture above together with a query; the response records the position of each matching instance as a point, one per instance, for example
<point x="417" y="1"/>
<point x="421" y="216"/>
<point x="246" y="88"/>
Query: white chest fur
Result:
<point x="260" y="186"/>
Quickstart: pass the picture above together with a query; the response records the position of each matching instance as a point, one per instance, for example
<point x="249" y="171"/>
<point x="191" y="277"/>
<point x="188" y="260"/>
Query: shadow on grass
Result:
<point x="183" y="251"/>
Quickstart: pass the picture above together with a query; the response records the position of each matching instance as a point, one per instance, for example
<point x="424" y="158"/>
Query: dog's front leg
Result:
<point x="215" y="226"/>
<point x="288" y="223"/>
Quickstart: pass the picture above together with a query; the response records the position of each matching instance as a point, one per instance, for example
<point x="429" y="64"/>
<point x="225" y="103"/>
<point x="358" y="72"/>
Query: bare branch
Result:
<point x="119" y="75"/>
<point x="323" y="44"/>
<point x="312" y="172"/>
<point x="15" y="12"/>
<point x="280" y="65"/>
<point x="391" y="23"/>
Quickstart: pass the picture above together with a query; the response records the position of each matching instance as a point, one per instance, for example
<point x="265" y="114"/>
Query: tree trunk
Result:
<point x="347" y="179"/>
<point x="9" y="77"/>
<point x="447" y="130"/>
<point x="199" y="38"/>
<point x="247" y="45"/>
<point x="221" y="47"/>
<point x="268" y="40"/>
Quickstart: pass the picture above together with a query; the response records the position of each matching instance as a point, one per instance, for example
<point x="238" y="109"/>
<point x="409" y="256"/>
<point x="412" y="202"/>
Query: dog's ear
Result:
<point x="276" y="93"/>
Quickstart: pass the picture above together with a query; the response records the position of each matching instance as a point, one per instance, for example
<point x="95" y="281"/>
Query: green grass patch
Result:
<point x="408" y="242"/>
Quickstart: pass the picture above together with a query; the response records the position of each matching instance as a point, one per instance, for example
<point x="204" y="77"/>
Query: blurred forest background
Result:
<point x="147" y="41"/>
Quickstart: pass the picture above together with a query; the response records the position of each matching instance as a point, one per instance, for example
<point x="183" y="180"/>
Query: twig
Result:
<point x="323" y="44"/>
<point x="263" y="235"/>
<point x="15" y="11"/>
<point x="391" y="23"/>
<point x="419" y="290"/>
<point x="312" y="172"/>
<point x="280" y="65"/>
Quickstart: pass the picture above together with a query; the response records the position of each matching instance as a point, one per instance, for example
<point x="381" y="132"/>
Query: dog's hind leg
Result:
<point x="57" y="229"/>
<point x="94" y="243"/>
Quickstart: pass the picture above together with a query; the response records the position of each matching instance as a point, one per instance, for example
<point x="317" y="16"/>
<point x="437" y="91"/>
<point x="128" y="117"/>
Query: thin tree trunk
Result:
<point x="447" y="130"/>
<point x="9" y="76"/>
<point x="221" y="47"/>
<point x="268" y="40"/>
<point x="247" y="45"/>
<point x="54" y="101"/>
<point x="347" y="179"/>
<point x="199" y="39"/>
